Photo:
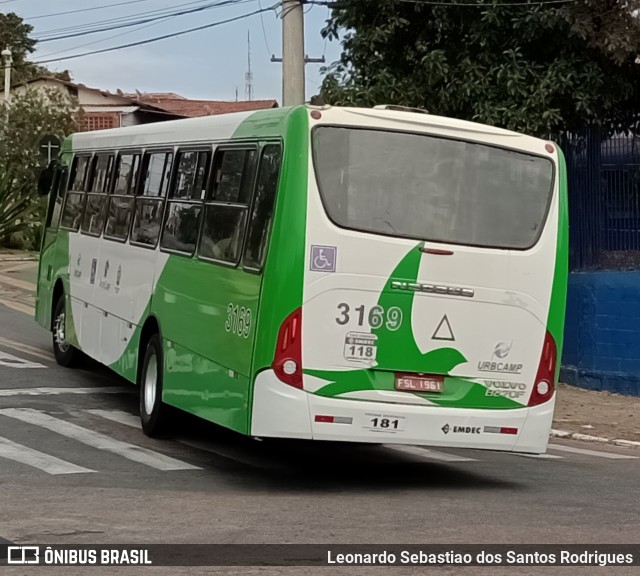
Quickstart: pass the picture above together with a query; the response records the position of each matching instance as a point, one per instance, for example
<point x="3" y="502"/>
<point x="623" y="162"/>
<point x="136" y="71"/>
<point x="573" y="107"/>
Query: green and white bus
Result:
<point x="364" y="275"/>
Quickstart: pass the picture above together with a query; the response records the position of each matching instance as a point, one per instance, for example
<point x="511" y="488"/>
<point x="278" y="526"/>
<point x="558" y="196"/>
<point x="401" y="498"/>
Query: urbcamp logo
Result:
<point x="446" y="428"/>
<point x="502" y="349"/>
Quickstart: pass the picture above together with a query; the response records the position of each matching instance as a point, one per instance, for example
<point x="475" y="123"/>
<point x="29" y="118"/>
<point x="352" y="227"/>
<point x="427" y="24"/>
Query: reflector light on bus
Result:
<point x="545" y="378"/>
<point x="333" y="419"/>
<point x="287" y="362"/>
<point x="328" y="419"/>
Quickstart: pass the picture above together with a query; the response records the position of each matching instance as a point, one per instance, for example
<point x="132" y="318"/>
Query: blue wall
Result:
<point x="602" y="333"/>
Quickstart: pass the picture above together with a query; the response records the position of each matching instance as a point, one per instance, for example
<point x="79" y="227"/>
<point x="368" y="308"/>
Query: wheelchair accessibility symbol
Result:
<point x="323" y="258"/>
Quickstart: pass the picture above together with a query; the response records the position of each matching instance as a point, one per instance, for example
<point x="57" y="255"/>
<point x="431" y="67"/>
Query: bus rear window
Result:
<point x="431" y="188"/>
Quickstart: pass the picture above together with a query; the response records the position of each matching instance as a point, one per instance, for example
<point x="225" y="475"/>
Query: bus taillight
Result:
<point x="544" y="385"/>
<point x="287" y="362"/>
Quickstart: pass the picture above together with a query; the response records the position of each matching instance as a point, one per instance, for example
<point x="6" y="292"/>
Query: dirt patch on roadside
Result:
<point x="603" y="413"/>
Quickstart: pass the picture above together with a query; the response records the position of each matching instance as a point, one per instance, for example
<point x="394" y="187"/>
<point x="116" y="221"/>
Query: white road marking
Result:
<point x="119" y="416"/>
<point x="51" y="391"/>
<point x="49" y="464"/>
<point x="611" y="455"/>
<point x="429" y="454"/>
<point x="543" y="456"/>
<point x="26" y="348"/>
<point x="12" y="361"/>
<point x="18" y="307"/>
<point x="17" y="283"/>
<point x="97" y="440"/>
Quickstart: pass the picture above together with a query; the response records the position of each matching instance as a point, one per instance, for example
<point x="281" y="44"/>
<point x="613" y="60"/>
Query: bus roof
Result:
<point x="271" y="123"/>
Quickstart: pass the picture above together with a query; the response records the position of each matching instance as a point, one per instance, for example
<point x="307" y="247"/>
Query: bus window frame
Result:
<point x="263" y="145"/>
<point x="131" y="186"/>
<point x="138" y="191"/>
<point x="207" y="148"/>
<point x="68" y="191"/>
<point x="221" y="148"/>
<point x="56" y="193"/>
<point x="105" y="194"/>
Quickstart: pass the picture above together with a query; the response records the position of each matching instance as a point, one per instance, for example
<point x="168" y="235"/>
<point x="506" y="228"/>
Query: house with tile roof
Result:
<point x="182" y="106"/>
<point x="103" y="109"/>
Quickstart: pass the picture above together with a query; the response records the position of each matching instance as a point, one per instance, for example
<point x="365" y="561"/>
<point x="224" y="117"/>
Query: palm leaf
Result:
<point x="18" y="206"/>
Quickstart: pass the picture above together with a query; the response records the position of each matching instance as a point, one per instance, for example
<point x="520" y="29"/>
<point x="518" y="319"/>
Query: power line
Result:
<point x="102" y="39"/>
<point x="143" y="21"/>
<point x="104" y="7"/>
<point x="116" y="20"/>
<point x="264" y="32"/>
<point x="155" y="39"/>
<point x="452" y="4"/>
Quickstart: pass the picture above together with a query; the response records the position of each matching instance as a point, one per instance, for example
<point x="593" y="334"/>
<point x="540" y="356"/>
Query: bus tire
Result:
<point x="65" y="354"/>
<point x="154" y="413"/>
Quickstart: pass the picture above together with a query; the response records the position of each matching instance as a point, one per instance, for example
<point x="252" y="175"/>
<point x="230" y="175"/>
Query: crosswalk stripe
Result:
<point x="48" y="391"/>
<point x="12" y="361"/>
<point x="611" y="455"/>
<point x="542" y="456"/>
<point x="49" y="464"/>
<point x="429" y="454"/>
<point x="119" y="416"/>
<point x="26" y="348"/>
<point x="97" y="440"/>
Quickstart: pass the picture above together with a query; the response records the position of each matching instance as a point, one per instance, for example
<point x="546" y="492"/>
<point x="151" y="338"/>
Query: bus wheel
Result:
<point x="154" y="414"/>
<point x="65" y="354"/>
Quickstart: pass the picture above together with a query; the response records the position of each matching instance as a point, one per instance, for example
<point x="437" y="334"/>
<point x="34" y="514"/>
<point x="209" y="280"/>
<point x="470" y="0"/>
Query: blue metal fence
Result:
<point x="604" y="200"/>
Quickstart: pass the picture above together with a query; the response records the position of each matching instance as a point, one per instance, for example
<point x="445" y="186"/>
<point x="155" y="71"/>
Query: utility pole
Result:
<point x="293" y="84"/>
<point x="8" y="63"/>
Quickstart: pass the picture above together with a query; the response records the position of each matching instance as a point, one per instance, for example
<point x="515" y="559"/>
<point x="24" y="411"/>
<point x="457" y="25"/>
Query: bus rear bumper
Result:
<point x="281" y="411"/>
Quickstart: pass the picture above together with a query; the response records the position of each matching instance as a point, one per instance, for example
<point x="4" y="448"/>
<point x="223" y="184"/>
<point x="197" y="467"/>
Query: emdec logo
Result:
<point x="461" y="429"/>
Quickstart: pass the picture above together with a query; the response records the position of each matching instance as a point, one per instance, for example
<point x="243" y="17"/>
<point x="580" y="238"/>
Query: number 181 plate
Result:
<point x="419" y="382"/>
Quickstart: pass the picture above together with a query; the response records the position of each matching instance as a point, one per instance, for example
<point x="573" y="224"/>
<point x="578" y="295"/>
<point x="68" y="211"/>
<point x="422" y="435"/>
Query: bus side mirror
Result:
<point x="46" y="179"/>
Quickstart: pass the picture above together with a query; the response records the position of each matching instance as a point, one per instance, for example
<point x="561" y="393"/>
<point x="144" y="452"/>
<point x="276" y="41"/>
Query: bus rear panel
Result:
<point x="434" y="288"/>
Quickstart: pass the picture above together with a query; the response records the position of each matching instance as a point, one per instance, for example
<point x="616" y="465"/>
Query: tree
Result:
<point x="16" y="34"/>
<point x="18" y="208"/>
<point x="532" y="67"/>
<point x="30" y="116"/>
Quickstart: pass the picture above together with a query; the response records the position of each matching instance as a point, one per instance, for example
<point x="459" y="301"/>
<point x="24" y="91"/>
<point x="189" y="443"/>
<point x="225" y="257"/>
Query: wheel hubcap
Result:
<point x="59" y="333"/>
<point x="150" y="382"/>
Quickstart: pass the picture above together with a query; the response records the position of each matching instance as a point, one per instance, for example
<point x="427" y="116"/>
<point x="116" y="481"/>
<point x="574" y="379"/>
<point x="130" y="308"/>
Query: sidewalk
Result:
<point x="18" y="276"/>
<point x="581" y="414"/>
<point x="599" y="415"/>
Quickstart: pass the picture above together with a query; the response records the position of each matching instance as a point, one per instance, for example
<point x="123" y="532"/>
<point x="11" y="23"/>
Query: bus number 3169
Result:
<point x="238" y="320"/>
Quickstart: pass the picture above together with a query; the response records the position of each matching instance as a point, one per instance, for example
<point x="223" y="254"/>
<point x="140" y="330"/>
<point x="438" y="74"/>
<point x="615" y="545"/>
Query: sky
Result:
<point x="208" y="64"/>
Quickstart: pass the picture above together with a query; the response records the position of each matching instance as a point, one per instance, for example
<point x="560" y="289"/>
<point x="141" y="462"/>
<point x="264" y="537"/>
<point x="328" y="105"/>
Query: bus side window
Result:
<point x="262" y="209"/>
<point x="75" y="197"/>
<point x="99" y="180"/>
<point x="120" y="204"/>
<point x="225" y="216"/>
<point x="149" y="205"/>
<point x="182" y="220"/>
<point x="56" y="197"/>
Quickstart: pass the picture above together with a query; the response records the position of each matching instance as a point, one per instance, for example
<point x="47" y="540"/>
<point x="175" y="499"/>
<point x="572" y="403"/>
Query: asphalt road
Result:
<point x="75" y="468"/>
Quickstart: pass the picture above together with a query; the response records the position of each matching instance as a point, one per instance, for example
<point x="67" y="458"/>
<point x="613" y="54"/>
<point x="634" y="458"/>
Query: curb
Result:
<point x="588" y="438"/>
<point x="18" y="259"/>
